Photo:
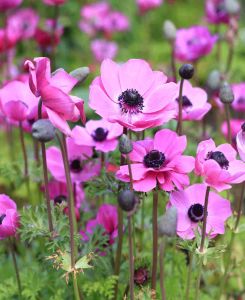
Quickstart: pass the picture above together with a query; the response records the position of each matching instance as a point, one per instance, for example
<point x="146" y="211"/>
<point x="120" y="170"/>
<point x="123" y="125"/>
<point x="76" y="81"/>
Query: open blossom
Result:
<point x="115" y="21"/>
<point x="24" y="23"/>
<point x="133" y="95"/>
<point x="239" y="97"/>
<point x="218" y="165"/>
<point x="7" y="4"/>
<point x="146" y="5"/>
<point x="9" y="217"/>
<point x="240" y="142"/>
<point x="235" y="128"/>
<point x="81" y="168"/>
<point x="193" y="43"/>
<point x="194" y="101"/>
<point x="103" y="49"/>
<point x="159" y="162"/>
<point x="190" y="211"/>
<point x="17" y="102"/>
<point x="216" y="12"/>
<point x="107" y="219"/>
<point x="100" y="134"/>
<point x="54" y="91"/>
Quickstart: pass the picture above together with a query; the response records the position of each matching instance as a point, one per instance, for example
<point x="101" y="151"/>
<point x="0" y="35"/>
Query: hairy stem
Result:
<point x="204" y="220"/>
<point x="188" y="282"/>
<point x="179" y="125"/>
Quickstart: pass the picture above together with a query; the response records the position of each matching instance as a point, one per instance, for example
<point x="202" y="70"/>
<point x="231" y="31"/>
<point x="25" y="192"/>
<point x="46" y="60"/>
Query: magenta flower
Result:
<point x="8" y="39"/>
<point x="146" y="5"/>
<point x="159" y="162"/>
<point x="193" y="43"/>
<point x="17" y="102"/>
<point x="103" y="49"/>
<point x="100" y="134"/>
<point x="9" y="217"/>
<point x="235" y="127"/>
<point x="240" y="142"/>
<point x="218" y="165"/>
<point x="239" y="97"/>
<point x="54" y="91"/>
<point x="133" y="95"/>
<point x="216" y="12"/>
<point x="190" y="207"/>
<point x="24" y="22"/>
<point x="81" y="169"/>
<point x="195" y="105"/>
<point x="106" y="218"/>
<point x="54" y="2"/>
<point x="7" y="4"/>
<point x="115" y="21"/>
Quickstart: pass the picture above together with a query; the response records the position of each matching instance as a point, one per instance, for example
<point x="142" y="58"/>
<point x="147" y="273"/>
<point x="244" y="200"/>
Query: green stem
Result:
<point x="142" y="225"/>
<point x="179" y="125"/>
<point x="227" y="114"/>
<point x="131" y="258"/>
<point x="198" y="281"/>
<point x="17" y="273"/>
<point x="188" y="282"/>
<point x="23" y="148"/>
<point x="161" y="265"/>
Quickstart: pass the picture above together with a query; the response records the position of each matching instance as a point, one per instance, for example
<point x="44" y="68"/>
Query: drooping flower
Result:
<point x="190" y="208"/>
<point x="240" y="142"/>
<point x="54" y="2"/>
<point x="81" y="168"/>
<point x="235" y="127"/>
<point x="146" y="5"/>
<point x="193" y="43"/>
<point x="216" y="12"/>
<point x="106" y="218"/>
<point x="195" y="105"/>
<point x="103" y="49"/>
<point x="218" y="165"/>
<point x="7" y="4"/>
<point x="100" y="134"/>
<point x="54" y="91"/>
<point x="159" y="162"/>
<point x="24" y="22"/>
<point x="133" y="95"/>
<point x="9" y="217"/>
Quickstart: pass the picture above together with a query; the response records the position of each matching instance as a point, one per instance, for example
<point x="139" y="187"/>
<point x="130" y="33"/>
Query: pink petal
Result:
<point x="145" y="185"/>
<point x="58" y="122"/>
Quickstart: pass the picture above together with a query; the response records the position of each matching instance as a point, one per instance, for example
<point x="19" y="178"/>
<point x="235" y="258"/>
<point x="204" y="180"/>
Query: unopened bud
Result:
<point x="43" y="130"/>
<point x="169" y="30"/>
<point x="80" y="74"/>
<point x="226" y="93"/>
<point x="214" y="80"/>
<point x="125" y="144"/>
<point x="186" y="71"/>
<point x="127" y="200"/>
<point x="232" y="7"/>
<point x="168" y="222"/>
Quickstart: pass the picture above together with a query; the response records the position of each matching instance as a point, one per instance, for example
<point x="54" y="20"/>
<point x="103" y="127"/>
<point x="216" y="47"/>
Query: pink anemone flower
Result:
<point x="54" y="2"/>
<point x="115" y="21"/>
<point x="17" y="102"/>
<point x="218" y="165"/>
<point x="235" y="127"/>
<point x="100" y="134"/>
<point x="193" y="43"/>
<point x="190" y="211"/>
<point x="195" y="105"/>
<point x="133" y="95"/>
<point x="240" y="142"/>
<point x="81" y="168"/>
<point x="8" y="4"/>
<point x="146" y="5"/>
<point x="106" y="218"/>
<point x="9" y="217"/>
<point x="216" y="12"/>
<point x="54" y="91"/>
<point x="103" y="49"/>
<point x="159" y="162"/>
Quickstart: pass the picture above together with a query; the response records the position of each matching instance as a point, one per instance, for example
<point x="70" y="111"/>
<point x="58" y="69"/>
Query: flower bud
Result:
<point x="214" y="80"/>
<point x="232" y="7"/>
<point x="127" y="200"/>
<point x="125" y="144"/>
<point x="169" y="30"/>
<point x="43" y="131"/>
<point x="168" y="222"/>
<point x="186" y="71"/>
<point x="141" y="276"/>
<point x="80" y="74"/>
<point x="226" y="93"/>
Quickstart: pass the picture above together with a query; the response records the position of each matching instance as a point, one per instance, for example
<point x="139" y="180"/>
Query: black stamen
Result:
<point x="185" y="101"/>
<point x="76" y="166"/>
<point x="100" y="134"/>
<point x="130" y="101"/>
<point x="154" y="159"/>
<point x="59" y="199"/>
<point x="220" y="158"/>
<point x="196" y="212"/>
<point x="243" y="127"/>
<point x="2" y="218"/>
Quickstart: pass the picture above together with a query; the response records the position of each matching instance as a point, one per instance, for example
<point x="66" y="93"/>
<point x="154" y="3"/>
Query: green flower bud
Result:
<point x="125" y="144"/>
<point x="168" y="222"/>
<point x="226" y="94"/>
<point x="127" y="200"/>
<point x="80" y="74"/>
<point x="43" y="130"/>
<point x="169" y="30"/>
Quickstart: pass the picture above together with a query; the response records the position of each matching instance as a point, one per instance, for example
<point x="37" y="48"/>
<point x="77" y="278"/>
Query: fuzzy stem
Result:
<point x="154" y="244"/>
<point x="204" y="219"/>
<point x="198" y="281"/>
<point x="131" y="258"/>
<point x="161" y="265"/>
<point x="179" y="125"/>
<point x="188" y="282"/>
<point x="227" y="114"/>
<point x="16" y="269"/>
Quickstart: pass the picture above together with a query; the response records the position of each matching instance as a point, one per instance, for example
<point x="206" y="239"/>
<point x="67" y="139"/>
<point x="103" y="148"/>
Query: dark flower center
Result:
<point x="220" y="158"/>
<point x="130" y="101"/>
<point x="31" y="121"/>
<point x="154" y="159"/>
<point x="141" y="276"/>
<point x="241" y="100"/>
<point x="196" y="212"/>
<point x="59" y="199"/>
<point x="2" y="218"/>
<point x="220" y="8"/>
<point x="100" y="134"/>
<point x="185" y="102"/>
<point x="76" y="166"/>
<point x="243" y="127"/>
